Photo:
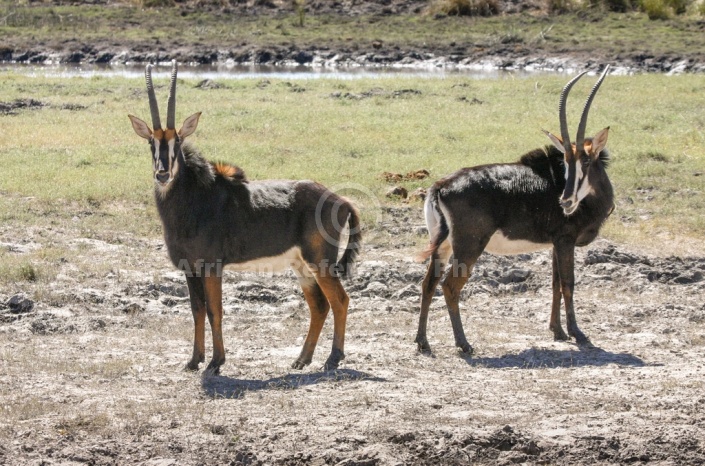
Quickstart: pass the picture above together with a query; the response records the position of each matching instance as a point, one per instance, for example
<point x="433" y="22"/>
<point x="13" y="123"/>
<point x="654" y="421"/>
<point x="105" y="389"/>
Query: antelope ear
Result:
<point x="189" y="125"/>
<point x="599" y="141"/>
<point x="140" y="127"/>
<point x="558" y="142"/>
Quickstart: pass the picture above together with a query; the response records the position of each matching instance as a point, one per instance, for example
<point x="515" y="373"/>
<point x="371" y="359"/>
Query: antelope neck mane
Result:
<point x="205" y="172"/>
<point x="550" y="155"/>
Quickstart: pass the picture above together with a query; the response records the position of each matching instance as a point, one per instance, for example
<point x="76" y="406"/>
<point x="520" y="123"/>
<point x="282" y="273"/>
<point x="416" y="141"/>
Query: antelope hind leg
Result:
<point x="318" y="306"/>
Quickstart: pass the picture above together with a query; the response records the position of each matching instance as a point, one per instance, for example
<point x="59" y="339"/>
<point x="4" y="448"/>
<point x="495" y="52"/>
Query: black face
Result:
<point x="165" y="147"/>
<point x="577" y="184"/>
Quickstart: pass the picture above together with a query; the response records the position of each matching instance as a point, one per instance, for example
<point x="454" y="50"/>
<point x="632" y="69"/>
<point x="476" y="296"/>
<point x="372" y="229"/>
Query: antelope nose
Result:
<point x="162" y="176"/>
<point x="566" y="203"/>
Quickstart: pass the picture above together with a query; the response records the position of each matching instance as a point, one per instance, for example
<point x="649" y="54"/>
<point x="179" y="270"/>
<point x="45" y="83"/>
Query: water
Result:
<point x="259" y="71"/>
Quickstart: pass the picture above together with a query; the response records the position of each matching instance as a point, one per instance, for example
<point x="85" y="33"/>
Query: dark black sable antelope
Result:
<point x="556" y="196"/>
<point x="212" y="216"/>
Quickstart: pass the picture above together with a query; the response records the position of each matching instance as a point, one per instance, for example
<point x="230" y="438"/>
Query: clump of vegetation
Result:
<point x="664" y="9"/>
<point x="466" y="7"/>
<point x="618" y="6"/>
<point x="154" y="3"/>
<point x="654" y="156"/>
<point x="28" y="273"/>
<point x="559" y="7"/>
<point x="300" y="7"/>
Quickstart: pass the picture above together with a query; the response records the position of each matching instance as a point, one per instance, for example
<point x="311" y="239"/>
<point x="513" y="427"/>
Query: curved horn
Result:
<point x="583" y="119"/>
<point x="171" y="106"/>
<point x="565" y="135"/>
<point x="153" y="107"/>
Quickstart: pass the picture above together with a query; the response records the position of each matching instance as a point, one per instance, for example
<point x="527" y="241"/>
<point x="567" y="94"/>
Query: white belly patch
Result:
<point x="271" y="264"/>
<point x="500" y="244"/>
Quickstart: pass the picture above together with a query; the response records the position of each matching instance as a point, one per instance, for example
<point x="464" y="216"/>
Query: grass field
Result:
<point x="75" y="161"/>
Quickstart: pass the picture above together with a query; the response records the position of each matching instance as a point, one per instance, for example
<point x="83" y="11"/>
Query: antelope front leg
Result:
<point x="555" y="325"/>
<point x="566" y="269"/>
<point x="213" y="286"/>
<point x="198" y="309"/>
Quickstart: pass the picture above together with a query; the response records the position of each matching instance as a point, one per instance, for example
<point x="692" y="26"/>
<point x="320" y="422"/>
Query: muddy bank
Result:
<point x="431" y="57"/>
<point x="119" y="38"/>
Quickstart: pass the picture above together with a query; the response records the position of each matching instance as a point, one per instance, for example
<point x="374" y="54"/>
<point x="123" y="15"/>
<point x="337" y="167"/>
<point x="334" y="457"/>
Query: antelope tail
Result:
<point x="346" y="264"/>
<point x="441" y="232"/>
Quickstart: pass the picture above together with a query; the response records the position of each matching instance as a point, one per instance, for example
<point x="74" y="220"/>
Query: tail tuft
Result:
<point x="346" y="265"/>
<point x="441" y="232"/>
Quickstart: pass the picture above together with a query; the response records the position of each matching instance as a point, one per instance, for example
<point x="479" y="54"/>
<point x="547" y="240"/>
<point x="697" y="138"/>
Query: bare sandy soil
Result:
<point x="91" y="368"/>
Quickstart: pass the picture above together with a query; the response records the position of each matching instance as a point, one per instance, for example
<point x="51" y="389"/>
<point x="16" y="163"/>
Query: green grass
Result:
<point x="86" y="169"/>
<point x="126" y="26"/>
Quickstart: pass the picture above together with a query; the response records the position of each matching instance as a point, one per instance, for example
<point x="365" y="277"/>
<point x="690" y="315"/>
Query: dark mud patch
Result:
<point x="14" y="107"/>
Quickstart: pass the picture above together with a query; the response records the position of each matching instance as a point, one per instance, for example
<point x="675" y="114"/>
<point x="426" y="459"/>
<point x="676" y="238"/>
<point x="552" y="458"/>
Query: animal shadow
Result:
<point x="535" y="358"/>
<point x="228" y="387"/>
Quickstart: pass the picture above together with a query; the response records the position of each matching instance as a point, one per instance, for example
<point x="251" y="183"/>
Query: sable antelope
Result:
<point x="213" y="216"/>
<point x="556" y="196"/>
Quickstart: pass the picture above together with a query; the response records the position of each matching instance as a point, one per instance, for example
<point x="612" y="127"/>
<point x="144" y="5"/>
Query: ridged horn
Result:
<point x="580" y="138"/>
<point x="171" y="105"/>
<point x="565" y="135"/>
<point x="153" y="107"/>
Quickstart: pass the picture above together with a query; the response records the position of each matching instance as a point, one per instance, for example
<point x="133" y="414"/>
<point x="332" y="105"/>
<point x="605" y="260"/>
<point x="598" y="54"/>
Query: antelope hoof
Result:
<point x="465" y="348"/>
<point x="422" y="345"/>
<point x="213" y="368"/>
<point x="580" y="338"/>
<point x="559" y="335"/>
<point x="191" y="366"/>
<point x="300" y="364"/>
<point x="333" y="360"/>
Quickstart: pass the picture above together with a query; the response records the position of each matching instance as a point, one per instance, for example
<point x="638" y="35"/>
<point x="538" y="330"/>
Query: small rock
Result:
<point x="407" y="292"/>
<point x="303" y="57"/>
<point x="402" y="438"/>
<point x="531" y="448"/>
<point x="132" y="309"/>
<point x="418" y="194"/>
<point x="421" y="231"/>
<point x="397" y="191"/>
<point x="180" y="291"/>
<point x="687" y="279"/>
<point x="209" y="84"/>
<point x="20" y="304"/>
<point x="374" y="289"/>
<point x="418" y="174"/>
<point x="247" y="286"/>
<point x="391" y="177"/>
<point x="515" y="276"/>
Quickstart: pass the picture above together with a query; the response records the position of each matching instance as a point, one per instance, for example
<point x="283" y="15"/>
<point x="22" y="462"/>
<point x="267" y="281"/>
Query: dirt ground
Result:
<point x="91" y="369"/>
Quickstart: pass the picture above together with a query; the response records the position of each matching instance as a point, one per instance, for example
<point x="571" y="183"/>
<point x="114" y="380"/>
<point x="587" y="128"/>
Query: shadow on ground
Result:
<point x="535" y="358"/>
<point x="227" y="387"/>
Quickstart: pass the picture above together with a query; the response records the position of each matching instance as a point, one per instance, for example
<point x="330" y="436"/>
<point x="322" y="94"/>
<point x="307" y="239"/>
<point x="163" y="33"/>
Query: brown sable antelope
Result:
<point x="213" y="217"/>
<point x="556" y="196"/>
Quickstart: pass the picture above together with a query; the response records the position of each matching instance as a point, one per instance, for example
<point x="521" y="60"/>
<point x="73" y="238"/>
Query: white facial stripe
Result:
<point x="171" y="153"/>
<point x="155" y="156"/>
<point x="578" y="178"/>
<point x="585" y="189"/>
